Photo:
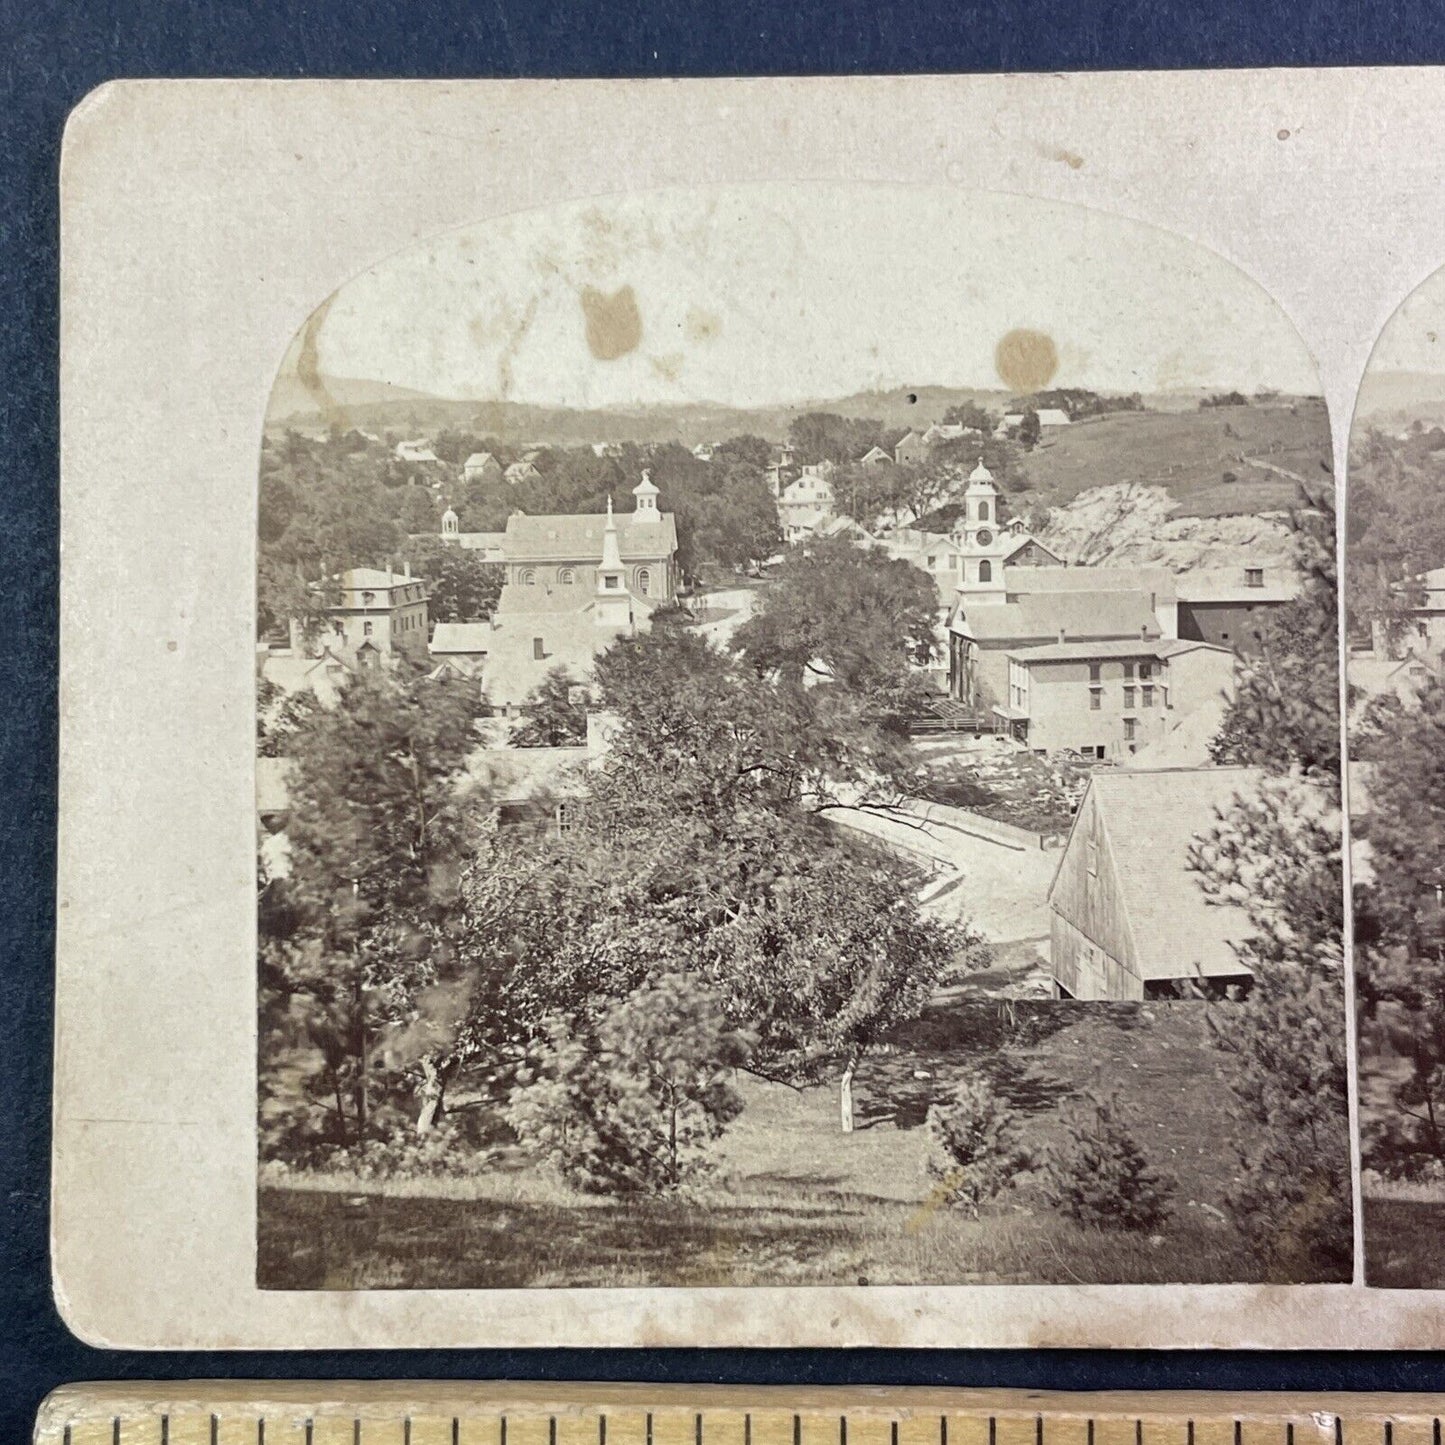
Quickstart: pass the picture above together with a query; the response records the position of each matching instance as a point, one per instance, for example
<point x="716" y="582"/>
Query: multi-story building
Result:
<point x="1109" y="699"/>
<point x="371" y="614"/>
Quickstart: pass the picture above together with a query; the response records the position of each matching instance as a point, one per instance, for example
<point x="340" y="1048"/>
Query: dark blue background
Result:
<point x="51" y="54"/>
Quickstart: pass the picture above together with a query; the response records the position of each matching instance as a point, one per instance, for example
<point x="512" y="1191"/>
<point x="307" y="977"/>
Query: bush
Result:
<point x="973" y="1145"/>
<point x="1099" y="1176"/>
<point x="635" y="1105"/>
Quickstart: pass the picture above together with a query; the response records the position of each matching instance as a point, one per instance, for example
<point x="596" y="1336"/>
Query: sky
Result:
<point x="777" y="294"/>
<point x="1414" y="337"/>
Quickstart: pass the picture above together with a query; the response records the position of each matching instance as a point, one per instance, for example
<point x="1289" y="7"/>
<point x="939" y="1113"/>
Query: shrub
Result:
<point x="973" y="1144"/>
<point x="635" y="1105"/>
<point x="1099" y="1176"/>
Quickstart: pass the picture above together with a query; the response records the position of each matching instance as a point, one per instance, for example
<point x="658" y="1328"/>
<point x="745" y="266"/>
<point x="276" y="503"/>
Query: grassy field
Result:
<point x="1189" y="452"/>
<point x="795" y="1201"/>
<point x="1405" y="1241"/>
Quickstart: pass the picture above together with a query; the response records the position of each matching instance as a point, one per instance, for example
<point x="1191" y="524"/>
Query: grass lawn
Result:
<point x="1405" y="1243"/>
<point x="1188" y="452"/>
<point x="796" y="1201"/>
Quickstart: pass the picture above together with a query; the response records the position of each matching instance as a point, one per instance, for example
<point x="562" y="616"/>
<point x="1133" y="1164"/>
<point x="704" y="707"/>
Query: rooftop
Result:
<point x="1229" y="584"/>
<point x="568" y="537"/>
<point x="1150" y="819"/>
<point x="1089" y="651"/>
<point x="1080" y="616"/>
<point x="1158" y="580"/>
<point x="570" y="641"/>
<point x="460" y="637"/>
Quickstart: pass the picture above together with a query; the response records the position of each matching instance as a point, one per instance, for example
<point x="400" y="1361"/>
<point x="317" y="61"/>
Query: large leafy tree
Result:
<point x="461" y="586"/>
<point x="851" y="615"/>
<point x="379" y="833"/>
<point x="554" y="713"/>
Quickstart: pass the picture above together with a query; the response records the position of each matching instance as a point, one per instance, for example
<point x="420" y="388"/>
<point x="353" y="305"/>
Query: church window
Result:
<point x="985" y="571"/>
<point x="610" y="583"/>
<point x="983" y="512"/>
<point x="644" y="581"/>
<point x="567" y="576"/>
<point x="529" y="578"/>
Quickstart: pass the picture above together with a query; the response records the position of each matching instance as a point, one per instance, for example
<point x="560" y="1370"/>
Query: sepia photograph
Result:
<point x="1395" y="601"/>
<point x="797" y="743"/>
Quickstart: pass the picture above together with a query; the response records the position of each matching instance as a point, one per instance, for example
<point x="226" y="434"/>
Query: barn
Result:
<point x="1128" y="917"/>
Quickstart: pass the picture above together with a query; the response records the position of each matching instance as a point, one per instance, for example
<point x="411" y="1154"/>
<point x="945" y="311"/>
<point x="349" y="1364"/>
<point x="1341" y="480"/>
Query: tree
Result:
<point x="461" y="586"/>
<point x="969" y="414"/>
<point x="636" y="1106"/>
<point x="1030" y="430"/>
<point x="820" y="436"/>
<point x="1276" y="852"/>
<point x="973" y="1144"/>
<point x="555" y="713"/>
<point x="846" y="613"/>
<point x="1285" y="710"/>
<point x="379" y="832"/>
<point x="1100" y="1177"/>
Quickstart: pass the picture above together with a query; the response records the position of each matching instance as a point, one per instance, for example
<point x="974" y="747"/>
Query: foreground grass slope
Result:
<point x="794" y="1201"/>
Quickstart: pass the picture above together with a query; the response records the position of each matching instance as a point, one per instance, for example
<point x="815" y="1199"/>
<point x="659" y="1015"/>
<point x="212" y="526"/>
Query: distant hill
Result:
<point x="1393" y="400"/>
<point x="379" y="407"/>
<point x="1215" y="462"/>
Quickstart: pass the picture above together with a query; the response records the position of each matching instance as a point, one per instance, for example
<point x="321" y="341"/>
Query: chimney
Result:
<point x="406" y="569"/>
<point x="1144" y="630"/>
<point x="1063" y="636"/>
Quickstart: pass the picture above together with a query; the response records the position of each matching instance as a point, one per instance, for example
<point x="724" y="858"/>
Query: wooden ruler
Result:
<point x="438" y="1413"/>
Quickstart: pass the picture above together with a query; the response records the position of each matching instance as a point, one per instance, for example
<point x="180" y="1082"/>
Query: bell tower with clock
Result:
<point x="983" y="542"/>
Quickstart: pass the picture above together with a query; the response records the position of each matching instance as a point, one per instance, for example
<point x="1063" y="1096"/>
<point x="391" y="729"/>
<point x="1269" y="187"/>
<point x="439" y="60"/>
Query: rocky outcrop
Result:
<point x="1127" y="524"/>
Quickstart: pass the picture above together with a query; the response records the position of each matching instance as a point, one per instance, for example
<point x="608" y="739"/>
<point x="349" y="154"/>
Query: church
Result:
<point x="574" y="585"/>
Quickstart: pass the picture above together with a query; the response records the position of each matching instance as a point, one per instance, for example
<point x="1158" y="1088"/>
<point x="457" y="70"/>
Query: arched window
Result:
<point x="985" y="571"/>
<point x="983" y="512"/>
<point x="529" y="578"/>
<point x="567" y="576"/>
<point x="644" y="581"/>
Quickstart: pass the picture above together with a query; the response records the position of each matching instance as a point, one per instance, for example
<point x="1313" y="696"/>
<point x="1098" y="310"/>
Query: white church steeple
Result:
<point x="983" y="543"/>
<point x="614" y="604"/>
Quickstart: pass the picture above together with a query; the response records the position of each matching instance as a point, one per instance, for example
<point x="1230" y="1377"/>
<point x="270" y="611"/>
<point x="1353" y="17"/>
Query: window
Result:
<point x="1254" y="576"/>
<point x="610" y="583"/>
<point x="339" y="627"/>
<point x="985" y="571"/>
<point x="932" y="563"/>
<point x="1093" y="672"/>
<point x="644" y="581"/>
<point x="1148" y="696"/>
<point x="368" y="598"/>
<point x="366" y="629"/>
<point x="529" y="578"/>
<point x="567" y="576"/>
<point x="1129" y="724"/>
<point x="1128" y="697"/>
<point x="1146" y="671"/>
<point x="1422" y="630"/>
<point x="1129" y="670"/>
<point x="983" y="512"/>
<point x="1096" y="695"/>
<point x="539" y="650"/>
<point x="1224" y="637"/>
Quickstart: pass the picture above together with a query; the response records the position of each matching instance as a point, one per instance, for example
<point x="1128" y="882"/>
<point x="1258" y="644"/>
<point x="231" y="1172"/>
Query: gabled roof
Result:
<point x="569" y="641"/>
<point x="460" y="637"/>
<point x="1158" y="580"/>
<point x="480" y="459"/>
<point x="372" y="579"/>
<point x="568" y="537"/>
<point x="1149" y="820"/>
<point x="1053" y="416"/>
<point x="1025" y="542"/>
<point x="1081" y="616"/>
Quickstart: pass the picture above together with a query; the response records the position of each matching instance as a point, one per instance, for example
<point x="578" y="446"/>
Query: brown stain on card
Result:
<point x="308" y="368"/>
<point x="614" y="324"/>
<point x="1026" y="360"/>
